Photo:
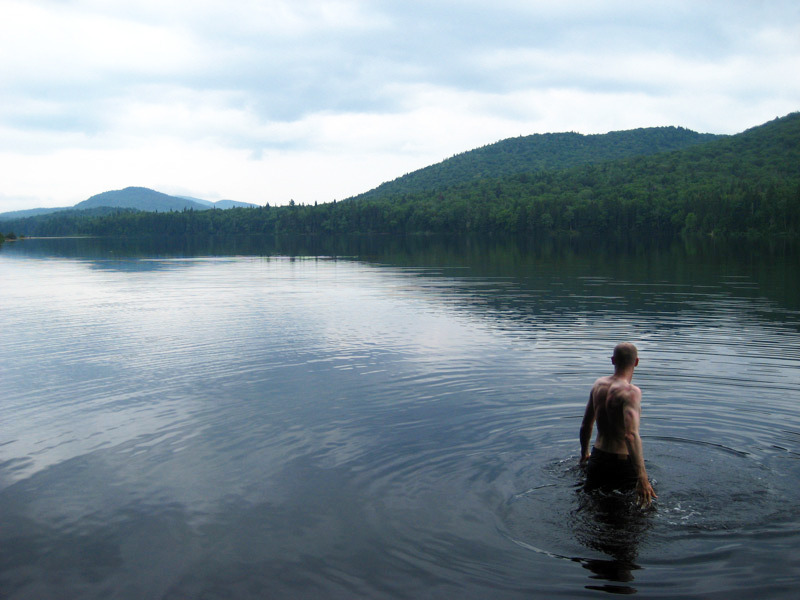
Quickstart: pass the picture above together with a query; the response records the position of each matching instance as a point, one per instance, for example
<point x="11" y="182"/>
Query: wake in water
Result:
<point x="602" y="531"/>
<point x="709" y="498"/>
<point x="561" y="510"/>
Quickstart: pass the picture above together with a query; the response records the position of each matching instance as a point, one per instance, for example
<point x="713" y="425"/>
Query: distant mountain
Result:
<point x="139" y="198"/>
<point x="207" y="203"/>
<point x="540" y="152"/>
<point x="225" y="204"/>
<point x="640" y="184"/>
<point x="222" y="204"/>
<point x="136" y="198"/>
<point x="31" y="212"/>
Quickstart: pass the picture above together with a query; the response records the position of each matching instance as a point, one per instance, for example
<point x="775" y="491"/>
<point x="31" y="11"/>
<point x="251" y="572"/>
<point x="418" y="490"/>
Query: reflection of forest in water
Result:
<point x="530" y="275"/>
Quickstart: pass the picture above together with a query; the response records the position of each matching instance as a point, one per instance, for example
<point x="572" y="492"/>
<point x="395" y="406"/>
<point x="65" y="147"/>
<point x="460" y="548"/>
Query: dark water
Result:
<point x="390" y="419"/>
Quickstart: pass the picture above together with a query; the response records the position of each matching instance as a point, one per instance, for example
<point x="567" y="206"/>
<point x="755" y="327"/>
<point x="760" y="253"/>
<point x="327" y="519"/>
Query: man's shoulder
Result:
<point x="628" y="394"/>
<point x="625" y="389"/>
<point x="604" y="380"/>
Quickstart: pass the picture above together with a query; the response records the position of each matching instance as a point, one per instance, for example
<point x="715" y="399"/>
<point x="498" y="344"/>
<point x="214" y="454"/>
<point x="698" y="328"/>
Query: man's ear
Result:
<point x="636" y="364"/>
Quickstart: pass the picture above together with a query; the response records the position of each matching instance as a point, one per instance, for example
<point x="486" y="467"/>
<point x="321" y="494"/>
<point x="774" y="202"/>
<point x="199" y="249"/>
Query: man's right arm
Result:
<point x="633" y="441"/>
<point x="586" y="428"/>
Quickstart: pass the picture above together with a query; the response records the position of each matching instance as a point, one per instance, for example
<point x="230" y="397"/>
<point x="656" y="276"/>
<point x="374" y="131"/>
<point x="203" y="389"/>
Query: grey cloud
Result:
<point x="283" y="77"/>
<point x="443" y="44"/>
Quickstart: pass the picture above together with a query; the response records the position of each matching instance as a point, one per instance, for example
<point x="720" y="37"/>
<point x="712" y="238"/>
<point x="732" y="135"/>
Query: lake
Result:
<point x="391" y="418"/>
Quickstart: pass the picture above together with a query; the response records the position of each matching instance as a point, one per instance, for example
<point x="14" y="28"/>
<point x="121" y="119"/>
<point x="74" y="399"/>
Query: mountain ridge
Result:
<point x="140" y="198"/>
<point x="541" y="152"/>
<point x="132" y="197"/>
<point x="742" y="185"/>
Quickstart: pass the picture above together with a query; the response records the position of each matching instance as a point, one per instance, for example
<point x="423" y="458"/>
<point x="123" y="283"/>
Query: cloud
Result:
<point x="357" y="91"/>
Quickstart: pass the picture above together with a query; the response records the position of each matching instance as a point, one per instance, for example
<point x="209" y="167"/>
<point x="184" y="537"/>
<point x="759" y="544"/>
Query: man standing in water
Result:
<point x="616" y="460"/>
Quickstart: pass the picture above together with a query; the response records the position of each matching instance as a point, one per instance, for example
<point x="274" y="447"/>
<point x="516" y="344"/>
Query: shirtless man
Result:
<point x="616" y="460"/>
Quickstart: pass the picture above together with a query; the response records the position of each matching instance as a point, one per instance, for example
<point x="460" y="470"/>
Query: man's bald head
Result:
<point x="625" y="355"/>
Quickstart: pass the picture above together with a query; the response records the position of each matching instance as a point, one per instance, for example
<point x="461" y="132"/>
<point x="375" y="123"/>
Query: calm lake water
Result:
<point x="391" y="419"/>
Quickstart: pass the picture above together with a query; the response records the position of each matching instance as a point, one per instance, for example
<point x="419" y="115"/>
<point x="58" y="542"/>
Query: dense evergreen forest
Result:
<point x="623" y="184"/>
<point x="540" y="152"/>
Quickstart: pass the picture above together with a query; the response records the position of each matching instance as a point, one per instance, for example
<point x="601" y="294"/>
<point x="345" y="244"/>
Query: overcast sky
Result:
<point x="271" y="100"/>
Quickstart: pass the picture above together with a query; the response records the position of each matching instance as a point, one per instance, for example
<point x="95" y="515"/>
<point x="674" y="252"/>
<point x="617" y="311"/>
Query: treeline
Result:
<point x="7" y="236"/>
<point x="742" y="185"/>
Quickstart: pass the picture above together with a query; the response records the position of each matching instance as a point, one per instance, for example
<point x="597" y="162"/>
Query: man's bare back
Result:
<point x="610" y="397"/>
<point x="615" y="404"/>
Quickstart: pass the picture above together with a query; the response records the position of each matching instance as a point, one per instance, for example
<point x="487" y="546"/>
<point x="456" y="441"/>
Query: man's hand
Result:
<point x="583" y="460"/>
<point x="644" y="493"/>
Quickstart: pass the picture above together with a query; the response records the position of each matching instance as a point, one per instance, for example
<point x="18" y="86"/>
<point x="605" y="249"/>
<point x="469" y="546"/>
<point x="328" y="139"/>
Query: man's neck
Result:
<point x="626" y="374"/>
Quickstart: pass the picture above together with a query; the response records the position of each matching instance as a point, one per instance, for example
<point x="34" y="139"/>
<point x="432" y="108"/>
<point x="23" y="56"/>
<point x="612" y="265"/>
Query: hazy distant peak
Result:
<point x="139" y="198"/>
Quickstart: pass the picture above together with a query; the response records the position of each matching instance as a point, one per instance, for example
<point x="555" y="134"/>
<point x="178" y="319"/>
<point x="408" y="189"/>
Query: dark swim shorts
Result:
<point x="609" y="471"/>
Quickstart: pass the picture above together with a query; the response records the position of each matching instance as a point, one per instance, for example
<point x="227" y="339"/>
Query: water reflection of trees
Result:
<point x="583" y="267"/>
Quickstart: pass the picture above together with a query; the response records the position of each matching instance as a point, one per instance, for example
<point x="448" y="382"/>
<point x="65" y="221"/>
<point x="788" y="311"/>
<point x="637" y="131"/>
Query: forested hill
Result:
<point x="741" y="185"/>
<point x="746" y="184"/>
<point x="540" y="152"/>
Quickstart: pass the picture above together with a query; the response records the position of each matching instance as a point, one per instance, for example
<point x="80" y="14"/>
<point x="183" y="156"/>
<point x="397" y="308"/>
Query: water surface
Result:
<point x="394" y="419"/>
